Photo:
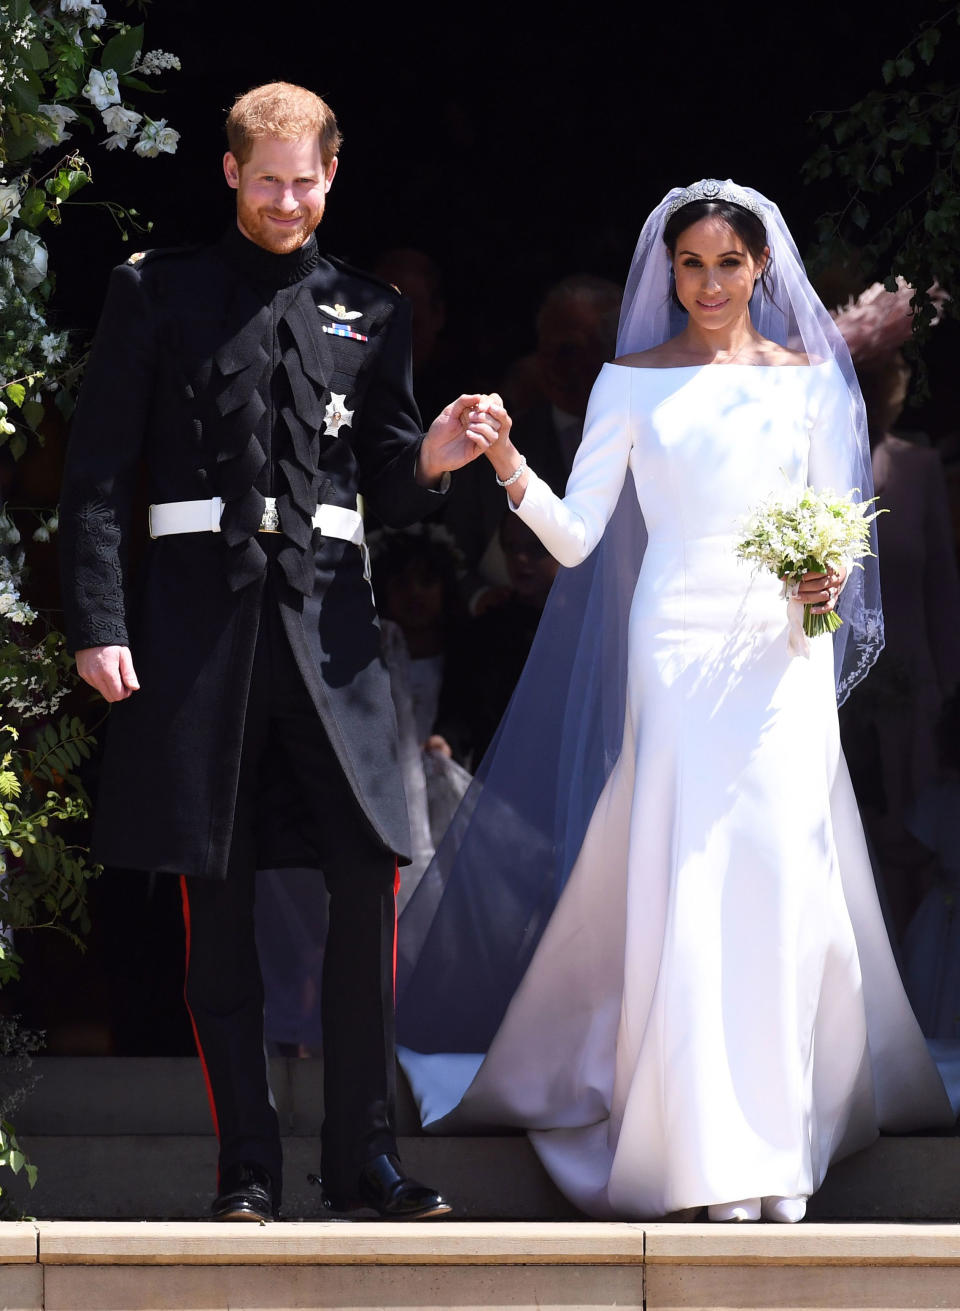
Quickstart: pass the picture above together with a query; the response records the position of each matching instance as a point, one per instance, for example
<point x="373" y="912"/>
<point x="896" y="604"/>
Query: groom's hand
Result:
<point x="109" y="669"/>
<point x="463" y="430"/>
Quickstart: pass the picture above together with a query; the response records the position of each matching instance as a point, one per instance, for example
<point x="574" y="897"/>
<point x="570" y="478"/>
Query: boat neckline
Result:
<point x="735" y="364"/>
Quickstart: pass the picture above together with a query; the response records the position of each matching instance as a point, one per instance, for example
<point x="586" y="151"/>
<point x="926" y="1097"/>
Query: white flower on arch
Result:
<point x="102" y="88"/>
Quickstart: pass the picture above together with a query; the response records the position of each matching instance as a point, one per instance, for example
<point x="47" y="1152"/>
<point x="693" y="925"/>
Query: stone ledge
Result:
<point x="338" y="1243"/>
<point x="478" y="1243"/>
<point x="18" y="1242"/>
<point x="807" y="1244"/>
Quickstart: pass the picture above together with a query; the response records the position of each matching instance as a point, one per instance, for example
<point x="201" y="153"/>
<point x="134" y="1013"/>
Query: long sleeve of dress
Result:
<point x="834" y="462"/>
<point x="570" y="528"/>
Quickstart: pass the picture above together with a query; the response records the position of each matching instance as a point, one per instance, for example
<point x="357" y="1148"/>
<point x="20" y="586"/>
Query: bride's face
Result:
<point x="715" y="273"/>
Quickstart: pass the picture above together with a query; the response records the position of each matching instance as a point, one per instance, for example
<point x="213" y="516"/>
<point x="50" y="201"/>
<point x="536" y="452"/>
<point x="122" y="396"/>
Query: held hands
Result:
<point x="466" y="428"/>
<point x="821" y="591"/>
<point x="108" y="669"/>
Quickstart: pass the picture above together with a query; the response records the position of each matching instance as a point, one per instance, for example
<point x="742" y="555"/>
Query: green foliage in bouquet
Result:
<point x="813" y="532"/>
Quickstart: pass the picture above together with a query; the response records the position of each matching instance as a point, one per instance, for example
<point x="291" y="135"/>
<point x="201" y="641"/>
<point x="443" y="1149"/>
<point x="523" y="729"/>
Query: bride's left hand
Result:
<point x="821" y="591"/>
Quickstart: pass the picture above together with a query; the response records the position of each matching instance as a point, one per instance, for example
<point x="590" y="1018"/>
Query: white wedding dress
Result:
<point x="713" y="1011"/>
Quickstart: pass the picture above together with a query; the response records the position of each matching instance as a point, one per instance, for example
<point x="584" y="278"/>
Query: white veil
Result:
<point x="468" y="933"/>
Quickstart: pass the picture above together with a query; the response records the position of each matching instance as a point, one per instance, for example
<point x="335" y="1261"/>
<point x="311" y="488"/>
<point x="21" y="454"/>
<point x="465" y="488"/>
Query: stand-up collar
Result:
<point x="263" y="267"/>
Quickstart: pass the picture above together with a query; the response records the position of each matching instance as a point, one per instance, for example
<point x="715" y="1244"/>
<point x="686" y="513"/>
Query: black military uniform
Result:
<point x="254" y="387"/>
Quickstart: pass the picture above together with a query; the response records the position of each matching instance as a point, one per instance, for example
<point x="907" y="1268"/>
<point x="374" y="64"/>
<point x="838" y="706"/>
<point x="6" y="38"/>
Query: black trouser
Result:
<point x="224" y="989"/>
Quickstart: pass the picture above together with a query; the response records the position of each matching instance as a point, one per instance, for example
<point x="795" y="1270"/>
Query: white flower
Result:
<point x="156" y="61"/>
<point x="156" y="137"/>
<point x="102" y="89"/>
<point x="93" y="13"/>
<point x="9" y="202"/>
<point x="59" y="116"/>
<point x="122" y="122"/>
<point x="54" y="346"/>
<point x="41" y="534"/>
<point x="30" y="254"/>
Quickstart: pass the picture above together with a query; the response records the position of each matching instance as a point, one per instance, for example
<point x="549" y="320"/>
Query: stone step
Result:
<point x="160" y="1176"/>
<point x="166" y="1095"/>
<point x="130" y="1138"/>
<point x="553" y="1267"/>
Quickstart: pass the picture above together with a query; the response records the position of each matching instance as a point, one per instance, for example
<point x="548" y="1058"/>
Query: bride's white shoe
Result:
<point x="784" y="1210"/>
<point x="747" y="1209"/>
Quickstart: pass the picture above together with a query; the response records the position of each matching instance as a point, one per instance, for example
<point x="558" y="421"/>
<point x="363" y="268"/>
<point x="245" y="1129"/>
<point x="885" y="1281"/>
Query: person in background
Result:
<point x="891" y="727"/>
<point x="576" y="332"/>
<point x="490" y="650"/>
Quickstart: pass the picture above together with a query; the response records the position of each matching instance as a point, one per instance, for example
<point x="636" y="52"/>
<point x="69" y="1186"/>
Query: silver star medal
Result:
<point x="337" y="415"/>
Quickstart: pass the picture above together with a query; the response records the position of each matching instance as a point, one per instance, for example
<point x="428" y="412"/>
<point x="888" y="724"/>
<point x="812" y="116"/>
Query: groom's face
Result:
<point x="281" y="190"/>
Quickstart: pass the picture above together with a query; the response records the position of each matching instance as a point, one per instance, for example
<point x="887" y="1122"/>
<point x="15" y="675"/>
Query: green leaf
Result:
<point x="121" y="51"/>
<point x="137" y="84"/>
<point x="927" y="43"/>
<point x="65" y="402"/>
<point x="31" y="1172"/>
<point x="33" y="412"/>
<point x="905" y="66"/>
<point x="25" y="97"/>
<point x="16" y="392"/>
<point x="40" y="59"/>
<point x="66" y="182"/>
<point x="32" y="207"/>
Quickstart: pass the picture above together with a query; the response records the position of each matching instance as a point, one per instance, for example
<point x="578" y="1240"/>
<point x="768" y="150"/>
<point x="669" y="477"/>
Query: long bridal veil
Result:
<point x="471" y="928"/>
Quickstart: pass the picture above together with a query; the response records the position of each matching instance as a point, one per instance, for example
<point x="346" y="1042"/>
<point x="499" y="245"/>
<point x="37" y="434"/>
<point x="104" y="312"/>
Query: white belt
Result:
<point x="204" y="517"/>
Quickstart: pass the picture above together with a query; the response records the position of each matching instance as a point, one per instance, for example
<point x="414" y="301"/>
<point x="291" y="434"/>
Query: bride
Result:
<point x="651" y="937"/>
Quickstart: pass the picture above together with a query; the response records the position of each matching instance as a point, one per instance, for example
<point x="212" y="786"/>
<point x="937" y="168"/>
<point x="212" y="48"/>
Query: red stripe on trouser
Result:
<point x="396" y="891"/>
<point x="196" y="1036"/>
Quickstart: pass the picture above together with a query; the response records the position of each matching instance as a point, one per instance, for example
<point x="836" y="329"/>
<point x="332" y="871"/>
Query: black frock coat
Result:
<point x="211" y="374"/>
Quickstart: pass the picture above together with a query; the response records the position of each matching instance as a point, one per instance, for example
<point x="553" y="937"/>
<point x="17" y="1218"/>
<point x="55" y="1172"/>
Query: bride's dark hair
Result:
<point x="747" y="226"/>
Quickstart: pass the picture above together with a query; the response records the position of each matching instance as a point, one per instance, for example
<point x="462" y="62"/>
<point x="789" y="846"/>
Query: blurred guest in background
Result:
<point x="419" y="278"/>
<point x="489" y="653"/>
<point x="891" y="725"/>
<point x="576" y="334"/>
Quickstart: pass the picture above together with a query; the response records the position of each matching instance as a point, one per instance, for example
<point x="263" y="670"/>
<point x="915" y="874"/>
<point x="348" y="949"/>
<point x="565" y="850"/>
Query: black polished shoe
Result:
<point x="391" y="1194"/>
<point x="246" y="1193"/>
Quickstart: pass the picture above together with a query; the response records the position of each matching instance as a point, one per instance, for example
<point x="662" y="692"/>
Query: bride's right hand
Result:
<point x="502" y="453"/>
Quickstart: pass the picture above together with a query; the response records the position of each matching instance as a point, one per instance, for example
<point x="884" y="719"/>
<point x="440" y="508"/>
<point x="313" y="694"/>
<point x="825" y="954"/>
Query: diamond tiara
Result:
<point x="712" y="189"/>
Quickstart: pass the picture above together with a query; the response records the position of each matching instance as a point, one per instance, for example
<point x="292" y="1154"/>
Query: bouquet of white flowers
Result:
<point x="809" y="532"/>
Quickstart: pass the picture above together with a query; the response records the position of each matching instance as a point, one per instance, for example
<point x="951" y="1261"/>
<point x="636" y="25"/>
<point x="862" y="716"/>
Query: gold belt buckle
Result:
<point x="270" y="519"/>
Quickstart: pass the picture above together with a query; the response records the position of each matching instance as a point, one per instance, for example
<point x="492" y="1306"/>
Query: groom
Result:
<point x="258" y="387"/>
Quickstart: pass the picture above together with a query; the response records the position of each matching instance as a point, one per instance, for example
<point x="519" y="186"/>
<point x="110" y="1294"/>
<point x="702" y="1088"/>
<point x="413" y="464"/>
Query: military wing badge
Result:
<point x="337" y="415"/>
<point x="340" y="312"/>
